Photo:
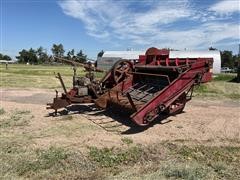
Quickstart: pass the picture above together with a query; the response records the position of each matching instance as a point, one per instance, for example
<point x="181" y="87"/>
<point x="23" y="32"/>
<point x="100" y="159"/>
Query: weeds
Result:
<point x="183" y="171"/>
<point x="45" y="160"/>
<point x="49" y="163"/>
<point x="18" y="118"/>
<point x="233" y="96"/>
<point x="24" y="112"/>
<point x="127" y="141"/>
<point x="109" y="157"/>
<point x="219" y="167"/>
<point x="2" y="111"/>
<point x="217" y="159"/>
<point x="166" y="160"/>
<point x="210" y="154"/>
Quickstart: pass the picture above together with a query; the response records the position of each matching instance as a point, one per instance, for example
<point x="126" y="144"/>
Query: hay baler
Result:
<point x="154" y="85"/>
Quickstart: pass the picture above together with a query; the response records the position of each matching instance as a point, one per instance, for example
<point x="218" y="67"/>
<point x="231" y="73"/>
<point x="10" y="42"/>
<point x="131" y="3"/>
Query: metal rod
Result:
<point x="62" y="83"/>
<point x="131" y="102"/>
<point x="131" y="88"/>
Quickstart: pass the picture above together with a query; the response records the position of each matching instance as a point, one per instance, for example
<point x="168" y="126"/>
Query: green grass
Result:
<point x="233" y="96"/>
<point x="45" y="159"/>
<point x="34" y="76"/>
<point x="50" y="163"/>
<point x="37" y="76"/>
<point x="110" y="157"/>
<point x="18" y="159"/>
<point x="212" y="154"/>
<point x="175" y="161"/>
<point x="189" y="171"/>
<point x="17" y="118"/>
<point x="127" y="141"/>
<point x="218" y="89"/>
<point x="2" y="111"/>
<point x="224" y="77"/>
<point x="38" y="70"/>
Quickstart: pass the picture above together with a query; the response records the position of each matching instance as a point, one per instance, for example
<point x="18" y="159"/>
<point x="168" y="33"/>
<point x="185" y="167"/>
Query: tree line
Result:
<point x="5" y="57"/>
<point x="229" y="60"/>
<point x="40" y="56"/>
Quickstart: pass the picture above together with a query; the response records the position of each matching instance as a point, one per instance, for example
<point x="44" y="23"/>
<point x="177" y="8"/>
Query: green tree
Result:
<point x="227" y="59"/>
<point x="5" y="57"/>
<point x="80" y="57"/>
<point x="71" y="54"/>
<point x="236" y="60"/>
<point x="41" y="55"/>
<point x="58" y="50"/>
<point x="28" y="56"/>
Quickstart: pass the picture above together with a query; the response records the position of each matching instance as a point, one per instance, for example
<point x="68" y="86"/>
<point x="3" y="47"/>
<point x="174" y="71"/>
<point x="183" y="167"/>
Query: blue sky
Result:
<point x="118" y="25"/>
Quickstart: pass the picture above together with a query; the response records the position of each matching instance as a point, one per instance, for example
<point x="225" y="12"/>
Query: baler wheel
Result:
<point x="121" y="70"/>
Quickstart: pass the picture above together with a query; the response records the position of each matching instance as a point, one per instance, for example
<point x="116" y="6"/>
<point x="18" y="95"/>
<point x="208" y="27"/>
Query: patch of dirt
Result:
<point x="212" y="122"/>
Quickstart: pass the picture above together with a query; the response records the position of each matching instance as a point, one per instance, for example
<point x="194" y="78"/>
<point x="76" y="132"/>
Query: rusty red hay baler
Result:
<point x="154" y="85"/>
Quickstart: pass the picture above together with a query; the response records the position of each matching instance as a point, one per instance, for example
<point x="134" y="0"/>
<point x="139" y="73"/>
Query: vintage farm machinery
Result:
<point x="152" y="86"/>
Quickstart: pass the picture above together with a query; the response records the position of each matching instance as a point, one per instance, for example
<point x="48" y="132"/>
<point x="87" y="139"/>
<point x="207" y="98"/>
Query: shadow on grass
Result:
<point x="119" y="119"/>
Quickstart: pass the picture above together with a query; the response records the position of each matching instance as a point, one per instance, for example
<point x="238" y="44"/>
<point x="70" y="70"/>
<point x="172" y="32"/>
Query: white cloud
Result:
<point x="117" y="21"/>
<point x="226" y="6"/>
<point x="102" y="16"/>
<point x="206" y="34"/>
<point x="163" y="13"/>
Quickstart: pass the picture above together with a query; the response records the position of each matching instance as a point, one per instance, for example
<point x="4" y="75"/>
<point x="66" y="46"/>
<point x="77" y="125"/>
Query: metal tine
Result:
<point x="131" y="88"/>
<point x="135" y="85"/>
<point x="146" y="91"/>
<point x="138" y="90"/>
<point x="147" y="94"/>
<point x="141" y="87"/>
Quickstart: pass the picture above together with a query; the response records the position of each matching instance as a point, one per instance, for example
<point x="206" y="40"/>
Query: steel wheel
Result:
<point x="121" y="70"/>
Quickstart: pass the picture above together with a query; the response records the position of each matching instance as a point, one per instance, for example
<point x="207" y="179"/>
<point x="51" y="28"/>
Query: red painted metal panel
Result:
<point x="183" y="83"/>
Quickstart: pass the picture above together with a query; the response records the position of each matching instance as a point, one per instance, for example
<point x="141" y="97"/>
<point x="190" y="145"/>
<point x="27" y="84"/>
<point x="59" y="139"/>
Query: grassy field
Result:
<point x="20" y="159"/>
<point x="40" y="76"/>
<point x="36" y="76"/>
<point x="33" y="76"/>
